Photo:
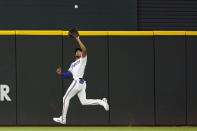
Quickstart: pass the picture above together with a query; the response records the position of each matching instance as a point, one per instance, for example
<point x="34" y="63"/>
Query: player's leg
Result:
<point x="84" y="101"/>
<point x="71" y="91"/>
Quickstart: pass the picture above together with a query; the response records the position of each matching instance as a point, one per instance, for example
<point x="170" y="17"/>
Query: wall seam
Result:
<point x="186" y="77"/>
<point x="108" y="64"/>
<point x="154" y="74"/>
<point x="16" y="78"/>
<point x="62" y="53"/>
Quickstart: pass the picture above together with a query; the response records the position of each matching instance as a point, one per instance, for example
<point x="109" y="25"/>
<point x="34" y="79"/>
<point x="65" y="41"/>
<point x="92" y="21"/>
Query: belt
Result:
<point x="81" y="80"/>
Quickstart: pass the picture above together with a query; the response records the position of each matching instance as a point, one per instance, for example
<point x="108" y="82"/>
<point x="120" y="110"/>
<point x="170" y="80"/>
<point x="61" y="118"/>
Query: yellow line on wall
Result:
<point x="92" y="33"/>
<point x="126" y="33"/>
<point x="89" y="33"/>
<point x="96" y="33"/>
<point x="7" y="32"/>
<point x="169" y="32"/>
<point x="39" y="32"/>
<point x="191" y="32"/>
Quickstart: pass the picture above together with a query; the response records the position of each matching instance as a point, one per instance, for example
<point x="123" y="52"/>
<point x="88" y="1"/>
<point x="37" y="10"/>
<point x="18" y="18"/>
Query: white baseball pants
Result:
<point x="80" y="90"/>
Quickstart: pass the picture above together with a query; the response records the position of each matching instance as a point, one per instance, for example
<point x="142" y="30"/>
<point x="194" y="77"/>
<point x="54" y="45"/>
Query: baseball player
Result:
<point x="78" y="86"/>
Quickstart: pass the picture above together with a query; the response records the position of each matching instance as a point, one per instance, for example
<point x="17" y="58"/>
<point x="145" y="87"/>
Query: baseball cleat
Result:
<point x="59" y="120"/>
<point x="106" y="105"/>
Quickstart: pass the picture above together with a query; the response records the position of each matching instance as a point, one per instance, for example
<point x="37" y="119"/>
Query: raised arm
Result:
<point x="83" y="48"/>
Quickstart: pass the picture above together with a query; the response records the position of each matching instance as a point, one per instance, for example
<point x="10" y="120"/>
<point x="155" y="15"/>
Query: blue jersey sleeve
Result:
<point x="67" y="75"/>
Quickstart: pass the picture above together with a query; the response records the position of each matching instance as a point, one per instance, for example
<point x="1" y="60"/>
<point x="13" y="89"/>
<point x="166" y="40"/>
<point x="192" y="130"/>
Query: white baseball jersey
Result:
<point x="77" y="68"/>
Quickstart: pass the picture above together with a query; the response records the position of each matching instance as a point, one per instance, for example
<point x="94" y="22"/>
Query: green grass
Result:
<point x="63" y="128"/>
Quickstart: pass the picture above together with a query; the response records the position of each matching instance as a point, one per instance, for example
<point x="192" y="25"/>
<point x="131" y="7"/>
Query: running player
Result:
<point x="78" y="86"/>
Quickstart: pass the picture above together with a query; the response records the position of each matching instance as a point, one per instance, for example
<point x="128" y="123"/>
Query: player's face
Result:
<point x="78" y="54"/>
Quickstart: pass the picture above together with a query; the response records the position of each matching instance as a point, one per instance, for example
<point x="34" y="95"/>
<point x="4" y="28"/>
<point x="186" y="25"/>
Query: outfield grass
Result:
<point x="98" y="128"/>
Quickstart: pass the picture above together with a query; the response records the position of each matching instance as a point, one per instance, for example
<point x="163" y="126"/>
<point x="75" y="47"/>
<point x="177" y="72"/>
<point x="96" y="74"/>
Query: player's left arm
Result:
<point x="63" y="74"/>
<point x="83" y="48"/>
<point x="66" y="74"/>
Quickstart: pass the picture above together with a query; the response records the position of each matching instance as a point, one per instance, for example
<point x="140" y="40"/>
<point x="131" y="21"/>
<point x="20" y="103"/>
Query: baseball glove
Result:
<point x="73" y="33"/>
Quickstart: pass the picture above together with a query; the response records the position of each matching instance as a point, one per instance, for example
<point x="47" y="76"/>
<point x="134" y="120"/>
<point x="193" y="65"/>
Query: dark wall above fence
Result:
<point x="167" y="14"/>
<point x="59" y="14"/>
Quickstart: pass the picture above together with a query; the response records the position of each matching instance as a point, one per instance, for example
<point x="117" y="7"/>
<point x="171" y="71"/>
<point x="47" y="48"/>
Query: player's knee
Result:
<point x="66" y="99"/>
<point x="83" y="102"/>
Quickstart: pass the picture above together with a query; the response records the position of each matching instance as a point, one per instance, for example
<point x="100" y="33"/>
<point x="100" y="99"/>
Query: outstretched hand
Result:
<point x="77" y="37"/>
<point x="59" y="71"/>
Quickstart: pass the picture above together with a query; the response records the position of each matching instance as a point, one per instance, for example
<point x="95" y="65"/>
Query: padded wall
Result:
<point x="170" y="80"/>
<point x="131" y="80"/>
<point x="39" y="87"/>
